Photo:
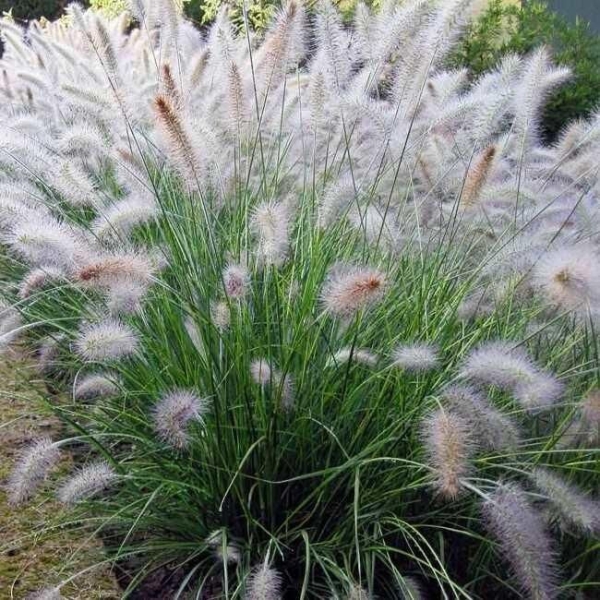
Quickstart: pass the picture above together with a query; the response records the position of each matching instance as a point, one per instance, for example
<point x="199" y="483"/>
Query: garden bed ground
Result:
<point x="31" y="555"/>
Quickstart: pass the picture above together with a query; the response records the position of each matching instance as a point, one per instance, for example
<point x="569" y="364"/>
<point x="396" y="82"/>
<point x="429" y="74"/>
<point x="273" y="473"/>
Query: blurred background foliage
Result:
<point x="507" y="28"/>
<point x="501" y="27"/>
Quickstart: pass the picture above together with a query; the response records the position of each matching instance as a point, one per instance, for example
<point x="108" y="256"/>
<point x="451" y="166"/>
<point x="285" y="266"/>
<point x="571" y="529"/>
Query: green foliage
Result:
<point x="32" y="9"/>
<point x="506" y="28"/>
<point x="111" y="8"/>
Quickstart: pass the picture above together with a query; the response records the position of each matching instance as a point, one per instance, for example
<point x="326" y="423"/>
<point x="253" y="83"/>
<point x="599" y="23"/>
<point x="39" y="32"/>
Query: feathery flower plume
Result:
<point x="88" y="482"/>
<point x="121" y="218"/>
<point x="510" y="369"/>
<point x="449" y="447"/>
<point x="477" y="177"/>
<point x="229" y="554"/>
<point x="220" y="314"/>
<point x="584" y="430"/>
<point x="45" y="242"/>
<point x="31" y="469"/>
<point x="169" y="85"/>
<point x="46" y="594"/>
<point x="179" y="140"/>
<point x="237" y="281"/>
<point x="573" y="507"/>
<point x="48" y="353"/>
<point x="235" y="97"/>
<point x="174" y="413"/>
<point x="494" y="430"/>
<point x="10" y="326"/>
<point x="416" y="357"/>
<point x="264" y="374"/>
<point x="117" y="269"/>
<point x="351" y="289"/>
<point x="125" y="298"/>
<point x="264" y="583"/>
<point x="261" y="371"/>
<point x="410" y="589"/>
<point x="108" y="340"/>
<point x="525" y="544"/>
<point x="96" y="386"/>
<point x="357" y="592"/>
<point x="359" y="355"/>
<point x="271" y="222"/>
<point x="37" y="279"/>
<point x="568" y="278"/>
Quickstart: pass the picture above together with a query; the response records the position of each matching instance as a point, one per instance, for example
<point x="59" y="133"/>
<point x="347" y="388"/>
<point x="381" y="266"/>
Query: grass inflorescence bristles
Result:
<point x="318" y="315"/>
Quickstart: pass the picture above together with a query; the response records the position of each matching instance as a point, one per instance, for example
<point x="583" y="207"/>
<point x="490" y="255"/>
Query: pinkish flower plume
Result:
<point x="108" y="340"/>
<point x="416" y="357"/>
<point x="494" y="430"/>
<point x="46" y="594"/>
<point x="237" y="281"/>
<point x="264" y="374"/>
<point x="351" y="289"/>
<point x="512" y="370"/>
<point x="264" y="583"/>
<point x="271" y="222"/>
<point x="31" y="470"/>
<point x="572" y="506"/>
<point x="524" y="541"/>
<point x="361" y="356"/>
<point x="229" y="554"/>
<point x="449" y="448"/>
<point x="174" y="413"/>
<point x="38" y="278"/>
<point x="568" y="278"/>
<point x="97" y="385"/>
<point x="88" y="482"/>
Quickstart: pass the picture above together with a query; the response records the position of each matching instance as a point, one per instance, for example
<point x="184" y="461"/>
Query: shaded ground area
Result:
<point x="34" y="553"/>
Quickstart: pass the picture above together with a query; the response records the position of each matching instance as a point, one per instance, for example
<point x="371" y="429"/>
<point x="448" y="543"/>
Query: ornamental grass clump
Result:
<point x="297" y="291"/>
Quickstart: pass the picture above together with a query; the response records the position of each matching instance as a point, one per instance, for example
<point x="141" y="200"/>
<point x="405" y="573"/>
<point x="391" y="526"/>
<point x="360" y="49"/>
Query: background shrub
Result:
<point x="33" y="9"/>
<point x="506" y="28"/>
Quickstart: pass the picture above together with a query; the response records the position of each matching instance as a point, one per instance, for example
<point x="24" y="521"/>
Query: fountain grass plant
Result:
<point x="300" y="298"/>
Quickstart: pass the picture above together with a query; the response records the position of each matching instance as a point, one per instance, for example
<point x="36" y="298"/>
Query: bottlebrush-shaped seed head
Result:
<point x="236" y="280"/>
<point x="95" y="386"/>
<point x="410" y="589"/>
<point x="46" y="594"/>
<point x="265" y="374"/>
<point x="261" y="371"/>
<point x="498" y="364"/>
<point x="416" y="357"/>
<point x="264" y="583"/>
<point x="220" y="314"/>
<point x="117" y="269"/>
<point x="31" y="470"/>
<point x="88" y="482"/>
<point x="572" y="506"/>
<point x="37" y="279"/>
<point x="539" y="393"/>
<point x="271" y="222"/>
<point x="174" y="413"/>
<point x="510" y="369"/>
<point x="361" y="356"/>
<point x="519" y="528"/>
<point x="349" y="290"/>
<point x="568" y="278"/>
<point x="358" y="592"/>
<point x="449" y="447"/>
<point x="494" y="430"/>
<point x="229" y="554"/>
<point x="105" y="341"/>
<point x="48" y="354"/>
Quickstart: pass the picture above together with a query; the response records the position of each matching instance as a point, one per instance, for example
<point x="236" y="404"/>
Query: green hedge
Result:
<point x="505" y="28"/>
<point x="33" y="9"/>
